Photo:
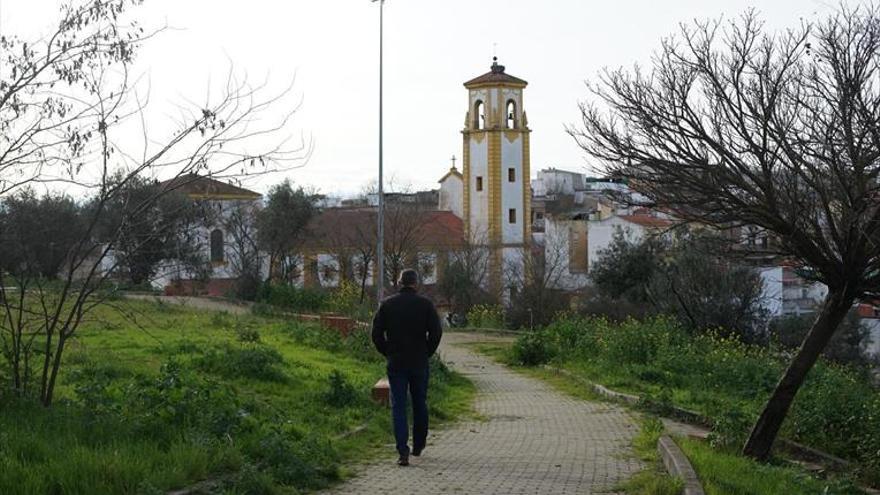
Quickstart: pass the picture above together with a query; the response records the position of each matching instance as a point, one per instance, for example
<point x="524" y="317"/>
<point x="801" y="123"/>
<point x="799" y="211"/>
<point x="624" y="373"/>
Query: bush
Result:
<point x="531" y="350"/>
<point x="290" y="298"/>
<point x="340" y="392"/>
<point x="176" y="400"/>
<point x="246" y="333"/>
<point x="486" y="316"/>
<point x="305" y="463"/>
<point x="257" y="362"/>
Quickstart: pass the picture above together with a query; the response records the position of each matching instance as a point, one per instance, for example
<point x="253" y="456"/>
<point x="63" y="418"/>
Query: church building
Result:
<point x="495" y="186"/>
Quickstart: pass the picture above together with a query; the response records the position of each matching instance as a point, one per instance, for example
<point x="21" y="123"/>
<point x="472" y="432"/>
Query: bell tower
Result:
<point x="497" y="193"/>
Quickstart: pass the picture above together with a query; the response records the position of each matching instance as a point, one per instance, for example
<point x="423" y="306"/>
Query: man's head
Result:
<point x="409" y="278"/>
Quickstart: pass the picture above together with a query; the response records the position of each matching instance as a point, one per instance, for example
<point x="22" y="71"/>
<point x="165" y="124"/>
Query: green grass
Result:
<point x="729" y="474"/>
<point x="722" y="473"/>
<point x="167" y="397"/>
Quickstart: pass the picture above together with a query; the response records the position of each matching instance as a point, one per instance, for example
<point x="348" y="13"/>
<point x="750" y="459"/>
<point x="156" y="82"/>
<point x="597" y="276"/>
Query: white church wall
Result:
<point x="452" y="195"/>
<point x="511" y="192"/>
<point x="479" y="167"/>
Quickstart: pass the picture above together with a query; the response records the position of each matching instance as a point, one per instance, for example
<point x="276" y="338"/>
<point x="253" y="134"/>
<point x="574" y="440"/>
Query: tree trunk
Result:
<point x="834" y="310"/>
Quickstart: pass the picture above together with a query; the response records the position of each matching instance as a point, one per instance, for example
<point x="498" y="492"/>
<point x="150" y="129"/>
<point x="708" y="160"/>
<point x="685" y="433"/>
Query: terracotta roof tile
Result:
<point x="200" y="187"/>
<point x="495" y="76"/>
<point x="336" y="228"/>
<point x="648" y="221"/>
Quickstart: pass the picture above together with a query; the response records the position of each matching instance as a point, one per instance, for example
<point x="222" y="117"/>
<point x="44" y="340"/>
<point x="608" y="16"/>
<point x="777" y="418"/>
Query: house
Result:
<point x="340" y="245"/>
<point x="222" y="203"/>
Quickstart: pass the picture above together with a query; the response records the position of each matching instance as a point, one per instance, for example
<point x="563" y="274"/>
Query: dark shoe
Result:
<point x="417" y="452"/>
<point x="403" y="460"/>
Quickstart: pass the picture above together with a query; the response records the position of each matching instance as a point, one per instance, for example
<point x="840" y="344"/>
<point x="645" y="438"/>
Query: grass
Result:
<point x="729" y="474"/>
<point x="722" y="473"/>
<point x="168" y="397"/>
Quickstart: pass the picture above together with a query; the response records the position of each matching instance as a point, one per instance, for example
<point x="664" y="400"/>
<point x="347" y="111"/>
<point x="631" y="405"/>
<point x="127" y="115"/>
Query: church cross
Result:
<point x="453" y="161"/>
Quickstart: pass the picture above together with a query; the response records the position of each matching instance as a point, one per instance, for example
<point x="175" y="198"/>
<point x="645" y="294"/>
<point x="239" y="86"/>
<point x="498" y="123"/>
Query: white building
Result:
<point x="496" y="189"/>
<point x="221" y="201"/>
<point x="451" y="197"/>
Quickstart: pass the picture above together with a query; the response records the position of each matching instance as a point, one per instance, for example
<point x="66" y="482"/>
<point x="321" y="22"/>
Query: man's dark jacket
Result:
<point x="406" y="329"/>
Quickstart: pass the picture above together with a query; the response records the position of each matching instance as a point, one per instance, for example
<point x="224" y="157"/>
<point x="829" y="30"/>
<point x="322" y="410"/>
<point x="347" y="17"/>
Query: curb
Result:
<point x="698" y="419"/>
<point x="677" y="464"/>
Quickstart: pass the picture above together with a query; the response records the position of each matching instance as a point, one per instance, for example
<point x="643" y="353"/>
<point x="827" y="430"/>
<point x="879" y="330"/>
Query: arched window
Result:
<point x="479" y="115"/>
<point x="511" y="114"/>
<point x="217" y="245"/>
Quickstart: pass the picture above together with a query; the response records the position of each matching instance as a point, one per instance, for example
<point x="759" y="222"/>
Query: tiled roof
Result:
<point x="453" y="171"/>
<point x="336" y="228"/>
<point x="201" y="187"/>
<point x="647" y="221"/>
<point x="495" y="76"/>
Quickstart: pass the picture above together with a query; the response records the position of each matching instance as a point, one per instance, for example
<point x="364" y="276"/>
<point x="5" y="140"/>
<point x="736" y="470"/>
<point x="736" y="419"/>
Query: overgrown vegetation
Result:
<point x="718" y="376"/>
<point x="165" y="397"/>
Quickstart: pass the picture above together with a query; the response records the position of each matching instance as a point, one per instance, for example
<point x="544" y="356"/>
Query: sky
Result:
<point x="329" y="49"/>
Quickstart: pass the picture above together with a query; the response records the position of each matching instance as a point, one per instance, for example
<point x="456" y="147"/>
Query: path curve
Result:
<point x="535" y="440"/>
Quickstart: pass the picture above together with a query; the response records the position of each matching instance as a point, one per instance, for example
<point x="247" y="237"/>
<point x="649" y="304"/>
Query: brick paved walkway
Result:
<point x="535" y="440"/>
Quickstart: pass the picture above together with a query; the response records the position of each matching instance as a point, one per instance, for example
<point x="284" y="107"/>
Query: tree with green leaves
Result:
<point x="281" y="224"/>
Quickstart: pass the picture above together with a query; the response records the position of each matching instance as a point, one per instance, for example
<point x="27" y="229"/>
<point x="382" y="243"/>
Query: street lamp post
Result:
<point x="380" y="244"/>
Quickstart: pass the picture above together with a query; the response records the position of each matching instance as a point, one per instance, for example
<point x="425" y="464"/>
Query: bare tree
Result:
<point x="736" y="127"/>
<point x="536" y="279"/>
<point x="465" y="276"/>
<point x="244" y="256"/>
<point x="66" y="105"/>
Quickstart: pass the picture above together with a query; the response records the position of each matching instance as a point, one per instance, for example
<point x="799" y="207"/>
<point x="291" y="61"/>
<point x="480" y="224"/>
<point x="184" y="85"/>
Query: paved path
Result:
<point x="535" y="440"/>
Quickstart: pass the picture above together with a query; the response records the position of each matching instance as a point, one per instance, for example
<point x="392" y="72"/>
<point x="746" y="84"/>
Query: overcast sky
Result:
<point x="431" y="48"/>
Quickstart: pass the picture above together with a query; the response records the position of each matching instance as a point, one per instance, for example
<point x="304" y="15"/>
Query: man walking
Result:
<point x="406" y="330"/>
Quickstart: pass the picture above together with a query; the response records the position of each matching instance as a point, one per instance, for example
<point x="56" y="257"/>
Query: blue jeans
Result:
<point x="416" y="380"/>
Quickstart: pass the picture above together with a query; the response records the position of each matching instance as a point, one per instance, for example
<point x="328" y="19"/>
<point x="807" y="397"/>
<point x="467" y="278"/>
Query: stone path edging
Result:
<point x="694" y="418"/>
<point x="677" y="464"/>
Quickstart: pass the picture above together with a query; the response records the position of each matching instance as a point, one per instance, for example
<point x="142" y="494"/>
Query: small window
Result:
<point x="217" y="254"/>
<point x="479" y="183"/>
<point x="511" y="175"/>
<point x="511" y="215"/>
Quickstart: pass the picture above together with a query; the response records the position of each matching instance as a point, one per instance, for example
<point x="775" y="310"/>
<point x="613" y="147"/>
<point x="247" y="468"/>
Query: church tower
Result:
<point x="497" y="193"/>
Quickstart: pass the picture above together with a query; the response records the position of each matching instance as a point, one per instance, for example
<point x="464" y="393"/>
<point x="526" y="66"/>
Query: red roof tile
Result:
<point x="200" y="187"/>
<point x="337" y="228"/>
<point x="648" y="221"/>
<point x="495" y="76"/>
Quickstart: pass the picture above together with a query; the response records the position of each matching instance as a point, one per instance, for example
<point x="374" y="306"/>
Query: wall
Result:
<point x="452" y="195"/>
<point x="600" y="234"/>
<point x="512" y="192"/>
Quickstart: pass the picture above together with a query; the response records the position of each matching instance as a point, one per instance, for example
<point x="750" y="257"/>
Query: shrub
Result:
<point x="305" y="463"/>
<point x="729" y="430"/>
<point x="346" y="300"/>
<point x="531" y="349"/>
<point x="293" y="298"/>
<point x="486" y="316"/>
<point x="246" y="333"/>
<point x="178" y="399"/>
<point x="257" y="362"/>
<point x="340" y="392"/>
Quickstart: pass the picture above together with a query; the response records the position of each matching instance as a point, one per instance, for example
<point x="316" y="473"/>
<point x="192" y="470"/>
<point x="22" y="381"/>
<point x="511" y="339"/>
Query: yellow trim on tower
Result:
<point x="527" y="190"/>
<point x="495" y="206"/>
<point x="466" y="174"/>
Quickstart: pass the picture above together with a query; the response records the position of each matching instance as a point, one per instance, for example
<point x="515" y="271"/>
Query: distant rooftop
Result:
<point x="201" y="187"/>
